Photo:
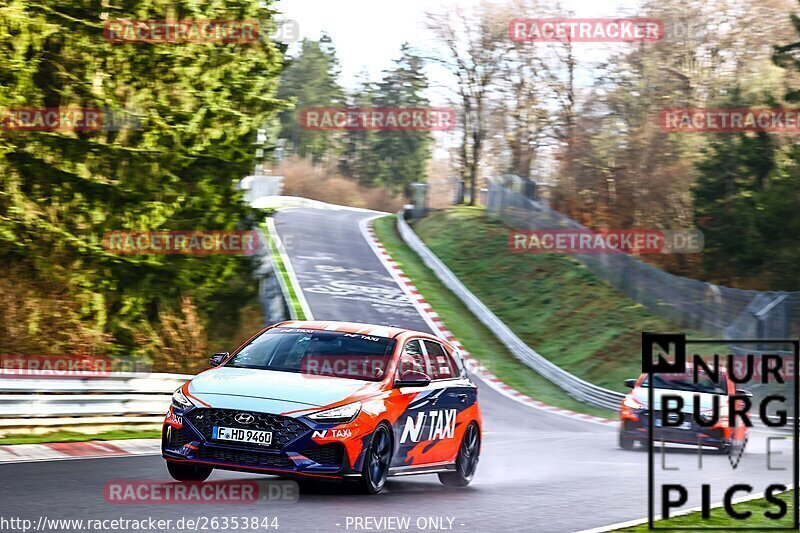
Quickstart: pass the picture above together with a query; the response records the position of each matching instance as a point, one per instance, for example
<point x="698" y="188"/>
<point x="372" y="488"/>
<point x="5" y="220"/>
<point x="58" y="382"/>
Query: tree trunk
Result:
<point x="473" y="178"/>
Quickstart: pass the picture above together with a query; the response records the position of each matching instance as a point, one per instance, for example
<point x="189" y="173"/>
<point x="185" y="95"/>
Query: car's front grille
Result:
<point x="672" y="417"/>
<point x="327" y="454"/>
<point x="284" y="429"/>
<point x="178" y="439"/>
<point x="240" y="457"/>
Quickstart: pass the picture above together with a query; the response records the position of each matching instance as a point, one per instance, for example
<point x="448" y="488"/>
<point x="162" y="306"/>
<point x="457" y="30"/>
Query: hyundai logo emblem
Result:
<point x="244" y="418"/>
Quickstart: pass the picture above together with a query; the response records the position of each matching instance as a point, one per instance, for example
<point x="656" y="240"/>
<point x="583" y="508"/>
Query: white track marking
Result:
<point x="276" y="239"/>
<point x="35" y="453"/>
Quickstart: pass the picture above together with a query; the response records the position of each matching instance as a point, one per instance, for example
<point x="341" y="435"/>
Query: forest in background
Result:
<point x="587" y="131"/>
<point x="197" y="108"/>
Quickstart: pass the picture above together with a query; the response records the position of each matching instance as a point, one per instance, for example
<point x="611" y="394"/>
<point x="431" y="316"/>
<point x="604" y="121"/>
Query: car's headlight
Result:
<point x="338" y="415"/>
<point x="631" y="402"/>
<point x="180" y="400"/>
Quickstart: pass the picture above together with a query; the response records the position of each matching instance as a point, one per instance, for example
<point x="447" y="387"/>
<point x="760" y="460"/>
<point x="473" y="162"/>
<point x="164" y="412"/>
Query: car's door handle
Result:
<point x="463" y="398"/>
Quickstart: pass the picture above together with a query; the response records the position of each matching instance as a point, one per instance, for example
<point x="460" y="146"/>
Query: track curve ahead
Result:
<point x="538" y="471"/>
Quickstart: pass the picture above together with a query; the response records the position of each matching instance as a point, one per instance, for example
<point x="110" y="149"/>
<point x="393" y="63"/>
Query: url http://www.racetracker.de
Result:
<point x="141" y="525"/>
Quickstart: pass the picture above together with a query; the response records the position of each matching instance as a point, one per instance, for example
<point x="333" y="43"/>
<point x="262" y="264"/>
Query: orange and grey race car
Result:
<point x="329" y="400"/>
<point x="698" y="422"/>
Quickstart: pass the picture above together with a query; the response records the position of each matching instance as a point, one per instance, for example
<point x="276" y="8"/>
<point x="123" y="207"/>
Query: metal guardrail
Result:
<point x="723" y="312"/>
<point x="574" y="386"/>
<point x="119" y="398"/>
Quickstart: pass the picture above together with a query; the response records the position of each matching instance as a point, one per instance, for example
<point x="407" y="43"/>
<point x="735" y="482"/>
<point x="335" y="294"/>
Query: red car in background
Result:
<point x="700" y="424"/>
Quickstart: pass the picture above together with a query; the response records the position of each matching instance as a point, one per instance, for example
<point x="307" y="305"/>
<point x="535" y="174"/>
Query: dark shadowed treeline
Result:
<point x="191" y="110"/>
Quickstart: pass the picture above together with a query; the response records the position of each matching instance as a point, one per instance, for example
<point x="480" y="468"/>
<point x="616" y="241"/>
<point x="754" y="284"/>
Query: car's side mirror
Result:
<point x="630" y="383"/>
<point x="743" y="392"/>
<point x="218" y="358"/>
<point x="412" y="378"/>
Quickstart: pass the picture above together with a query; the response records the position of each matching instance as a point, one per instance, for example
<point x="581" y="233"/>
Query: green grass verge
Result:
<point x="74" y="436"/>
<point x="294" y="301"/>
<point x="719" y="518"/>
<point x="475" y="337"/>
<point x="551" y="301"/>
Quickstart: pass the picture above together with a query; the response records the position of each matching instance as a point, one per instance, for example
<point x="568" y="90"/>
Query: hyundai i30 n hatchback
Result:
<point x="329" y="400"/>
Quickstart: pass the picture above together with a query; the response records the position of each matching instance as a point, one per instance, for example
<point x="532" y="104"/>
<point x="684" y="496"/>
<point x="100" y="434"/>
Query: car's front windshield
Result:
<point x="686" y="382"/>
<point x="318" y="353"/>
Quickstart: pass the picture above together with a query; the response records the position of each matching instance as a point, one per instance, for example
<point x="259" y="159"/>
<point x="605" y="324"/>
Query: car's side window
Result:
<point x="412" y="359"/>
<point x="457" y="362"/>
<point x="439" y="361"/>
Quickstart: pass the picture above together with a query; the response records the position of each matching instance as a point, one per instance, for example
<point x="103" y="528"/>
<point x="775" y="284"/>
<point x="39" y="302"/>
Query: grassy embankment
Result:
<point x="551" y="301"/>
<point x="720" y="519"/>
<point x="75" y="436"/>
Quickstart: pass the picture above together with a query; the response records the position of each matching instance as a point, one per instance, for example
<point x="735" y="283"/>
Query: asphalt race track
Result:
<point x="538" y="471"/>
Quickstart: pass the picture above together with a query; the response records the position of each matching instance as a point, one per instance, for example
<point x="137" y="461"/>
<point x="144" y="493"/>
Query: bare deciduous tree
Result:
<point x="475" y="44"/>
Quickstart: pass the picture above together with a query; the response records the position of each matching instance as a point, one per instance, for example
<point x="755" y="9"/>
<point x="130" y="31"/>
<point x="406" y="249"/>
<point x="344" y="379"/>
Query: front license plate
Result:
<point x="249" y="436"/>
<point x="684" y="425"/>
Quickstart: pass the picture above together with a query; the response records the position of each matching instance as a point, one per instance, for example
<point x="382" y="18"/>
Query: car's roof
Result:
<point x="689" y="369"/>
<point x="350" y="327"/>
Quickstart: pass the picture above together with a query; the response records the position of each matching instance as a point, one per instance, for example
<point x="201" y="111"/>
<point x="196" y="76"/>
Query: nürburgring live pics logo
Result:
<point x="680" y="407"/>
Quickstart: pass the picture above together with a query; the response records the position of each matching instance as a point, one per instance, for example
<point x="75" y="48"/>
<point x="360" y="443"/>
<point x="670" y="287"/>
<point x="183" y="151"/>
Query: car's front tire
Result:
<point x="626" y="443"/>
<point x="467" y="460"/>
<point x="377" y="459"/>
<point x="188" y="472"/>
<point x="733" y="447"/>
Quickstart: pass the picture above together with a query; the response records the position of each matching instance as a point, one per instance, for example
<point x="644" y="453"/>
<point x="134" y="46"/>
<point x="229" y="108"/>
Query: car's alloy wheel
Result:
<point x="467" y="461"/>
<point x="188" y="472"/>
<point x="377" y="459"/>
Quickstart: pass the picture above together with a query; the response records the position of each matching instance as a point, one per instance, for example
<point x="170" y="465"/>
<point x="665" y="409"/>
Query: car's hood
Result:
<point x="706" y="399"/>
<point x="273" y="391"/>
